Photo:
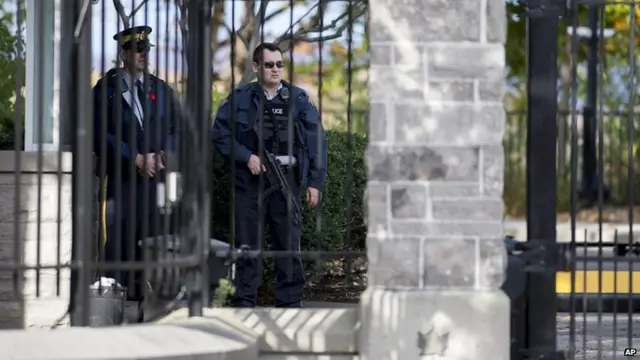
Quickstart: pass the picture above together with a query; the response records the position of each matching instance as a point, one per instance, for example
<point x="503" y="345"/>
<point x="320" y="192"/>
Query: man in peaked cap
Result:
<point x="136" y="119"/>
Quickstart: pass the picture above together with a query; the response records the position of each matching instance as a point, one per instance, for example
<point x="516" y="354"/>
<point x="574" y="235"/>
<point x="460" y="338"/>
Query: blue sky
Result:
<point x="161" y="12"/>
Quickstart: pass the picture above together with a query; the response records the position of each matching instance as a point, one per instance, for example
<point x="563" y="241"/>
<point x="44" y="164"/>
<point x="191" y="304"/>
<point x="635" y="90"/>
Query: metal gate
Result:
<point x="153" y="207"/>
<point x="581" y="303"/>
<point x="141" y="150"/>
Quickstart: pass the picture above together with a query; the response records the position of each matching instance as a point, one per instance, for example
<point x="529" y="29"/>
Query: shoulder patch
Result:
<point x="223" y="102"/>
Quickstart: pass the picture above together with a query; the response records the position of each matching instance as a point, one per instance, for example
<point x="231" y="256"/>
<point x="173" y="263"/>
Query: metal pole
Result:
<point x="542" y="77"/>
<point x="81" y="116"/>
<point x="589" y="186"/>
<point x="68" y="13"/>
<point x="195" y="137"/>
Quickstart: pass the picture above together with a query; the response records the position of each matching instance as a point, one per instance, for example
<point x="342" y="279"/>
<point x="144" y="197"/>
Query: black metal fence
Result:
<point x="615" y="160"/>
<point x="181" y="160"/>
<point x="581" y="295"/>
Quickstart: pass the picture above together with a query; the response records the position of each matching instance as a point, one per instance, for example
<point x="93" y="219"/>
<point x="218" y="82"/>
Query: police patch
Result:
<point x="277" y="110"/>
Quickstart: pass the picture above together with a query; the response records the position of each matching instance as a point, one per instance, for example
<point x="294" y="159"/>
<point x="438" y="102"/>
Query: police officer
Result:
<point x="260" y="114"/>
<point x="141" y="116"/>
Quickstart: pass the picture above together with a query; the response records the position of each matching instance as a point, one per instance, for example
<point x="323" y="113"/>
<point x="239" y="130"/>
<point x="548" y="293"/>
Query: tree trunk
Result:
<point x="217" y="22"/>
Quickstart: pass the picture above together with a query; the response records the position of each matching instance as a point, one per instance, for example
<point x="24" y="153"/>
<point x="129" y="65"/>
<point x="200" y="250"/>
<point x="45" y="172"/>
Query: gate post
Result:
<point x="195" y="137"/>
<point x="80" y="115"/>
<point x="435" y="177"/>
<point x="542" y="111"/>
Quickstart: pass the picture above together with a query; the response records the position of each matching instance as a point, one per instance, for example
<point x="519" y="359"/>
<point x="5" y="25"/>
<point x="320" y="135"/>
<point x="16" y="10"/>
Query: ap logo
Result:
<point x="630" y="352"/>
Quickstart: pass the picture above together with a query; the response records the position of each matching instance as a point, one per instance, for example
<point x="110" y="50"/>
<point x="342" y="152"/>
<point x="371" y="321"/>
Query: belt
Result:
<point x="286" y="160"/>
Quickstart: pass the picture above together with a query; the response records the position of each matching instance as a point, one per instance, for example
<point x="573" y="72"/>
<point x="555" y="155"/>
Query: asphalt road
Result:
<point x="601" y="337"/>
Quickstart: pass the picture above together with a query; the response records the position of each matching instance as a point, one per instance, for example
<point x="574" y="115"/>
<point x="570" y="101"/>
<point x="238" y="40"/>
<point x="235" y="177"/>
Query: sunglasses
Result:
<point x="139" y="47"/>
<point x="271" y="64"/>
<point x="143" y="48"/>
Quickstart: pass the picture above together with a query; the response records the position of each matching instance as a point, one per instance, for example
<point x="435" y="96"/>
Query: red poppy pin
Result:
<point x="152" y="96"/>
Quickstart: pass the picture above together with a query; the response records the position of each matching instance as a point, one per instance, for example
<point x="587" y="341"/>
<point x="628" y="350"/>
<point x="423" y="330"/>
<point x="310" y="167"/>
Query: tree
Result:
<point x="617" y="86"/>
<point x="309" y="27"/>
<point x="12" y="54"/>
<point x="615" y="16"/>
<point x="122" y="13"/>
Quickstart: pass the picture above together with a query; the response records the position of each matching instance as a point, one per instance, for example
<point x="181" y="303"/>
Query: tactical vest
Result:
<point x="275" y="126"/>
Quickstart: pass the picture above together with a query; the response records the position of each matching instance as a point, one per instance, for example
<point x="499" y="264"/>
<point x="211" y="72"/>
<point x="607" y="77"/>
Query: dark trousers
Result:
<point x="285" y="235"/>
<point x="121" y="222"/>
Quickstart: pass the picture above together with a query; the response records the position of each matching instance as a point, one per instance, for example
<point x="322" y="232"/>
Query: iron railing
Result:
<point x="615" y="159"/>
<point x="164" y="226"/>
<point x="580" y="298"/>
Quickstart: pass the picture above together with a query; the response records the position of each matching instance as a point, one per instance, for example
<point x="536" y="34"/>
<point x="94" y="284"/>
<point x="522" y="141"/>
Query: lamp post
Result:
<point x="589" y="186"/>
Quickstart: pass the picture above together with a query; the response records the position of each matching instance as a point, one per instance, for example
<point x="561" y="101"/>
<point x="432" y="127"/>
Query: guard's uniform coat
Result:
<point x="242" y="110"/>
<point x="126" y="194"/>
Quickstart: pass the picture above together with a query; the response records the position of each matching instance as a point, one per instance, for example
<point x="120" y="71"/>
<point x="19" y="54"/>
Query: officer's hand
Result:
<point x="255" y="165"/>
<point x="146" y="163"/>
<point x="159" y="163"/>
<point x="154" y="162"/>
<point x="313" y="197"/>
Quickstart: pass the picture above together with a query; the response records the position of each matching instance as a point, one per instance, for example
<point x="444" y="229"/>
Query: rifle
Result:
<point x="278" y="182"/>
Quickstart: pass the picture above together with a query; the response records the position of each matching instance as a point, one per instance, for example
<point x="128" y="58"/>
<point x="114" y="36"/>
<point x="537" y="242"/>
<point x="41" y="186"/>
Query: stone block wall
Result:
<point x="44" y="230"/>
<point x="435" y="167"/>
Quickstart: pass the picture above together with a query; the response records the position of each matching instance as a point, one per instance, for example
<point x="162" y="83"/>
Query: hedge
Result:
<point x="338" y="223"/>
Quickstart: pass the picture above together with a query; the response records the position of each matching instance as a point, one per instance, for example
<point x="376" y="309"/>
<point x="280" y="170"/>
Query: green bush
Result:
<point x="7" y="133"/>
<point x="338" y="224"/>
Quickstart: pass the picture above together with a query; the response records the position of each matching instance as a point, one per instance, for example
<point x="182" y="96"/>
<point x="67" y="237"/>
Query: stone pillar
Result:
<point x="30" y="307"/>
<point x="435" y="167"/>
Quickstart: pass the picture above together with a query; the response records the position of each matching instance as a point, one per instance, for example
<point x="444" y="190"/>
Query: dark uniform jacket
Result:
<point x="241" y="110"/>
<point x="111" y="111"/>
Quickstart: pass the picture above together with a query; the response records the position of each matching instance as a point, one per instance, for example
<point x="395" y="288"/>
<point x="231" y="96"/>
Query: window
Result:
<point x="41" y="125"/>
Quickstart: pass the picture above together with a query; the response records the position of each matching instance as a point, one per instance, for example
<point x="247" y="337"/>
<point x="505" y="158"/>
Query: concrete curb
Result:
<point x="194" y="338"/>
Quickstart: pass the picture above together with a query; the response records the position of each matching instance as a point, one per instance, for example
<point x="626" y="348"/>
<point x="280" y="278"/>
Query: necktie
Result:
<point x="141" y="99"/>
